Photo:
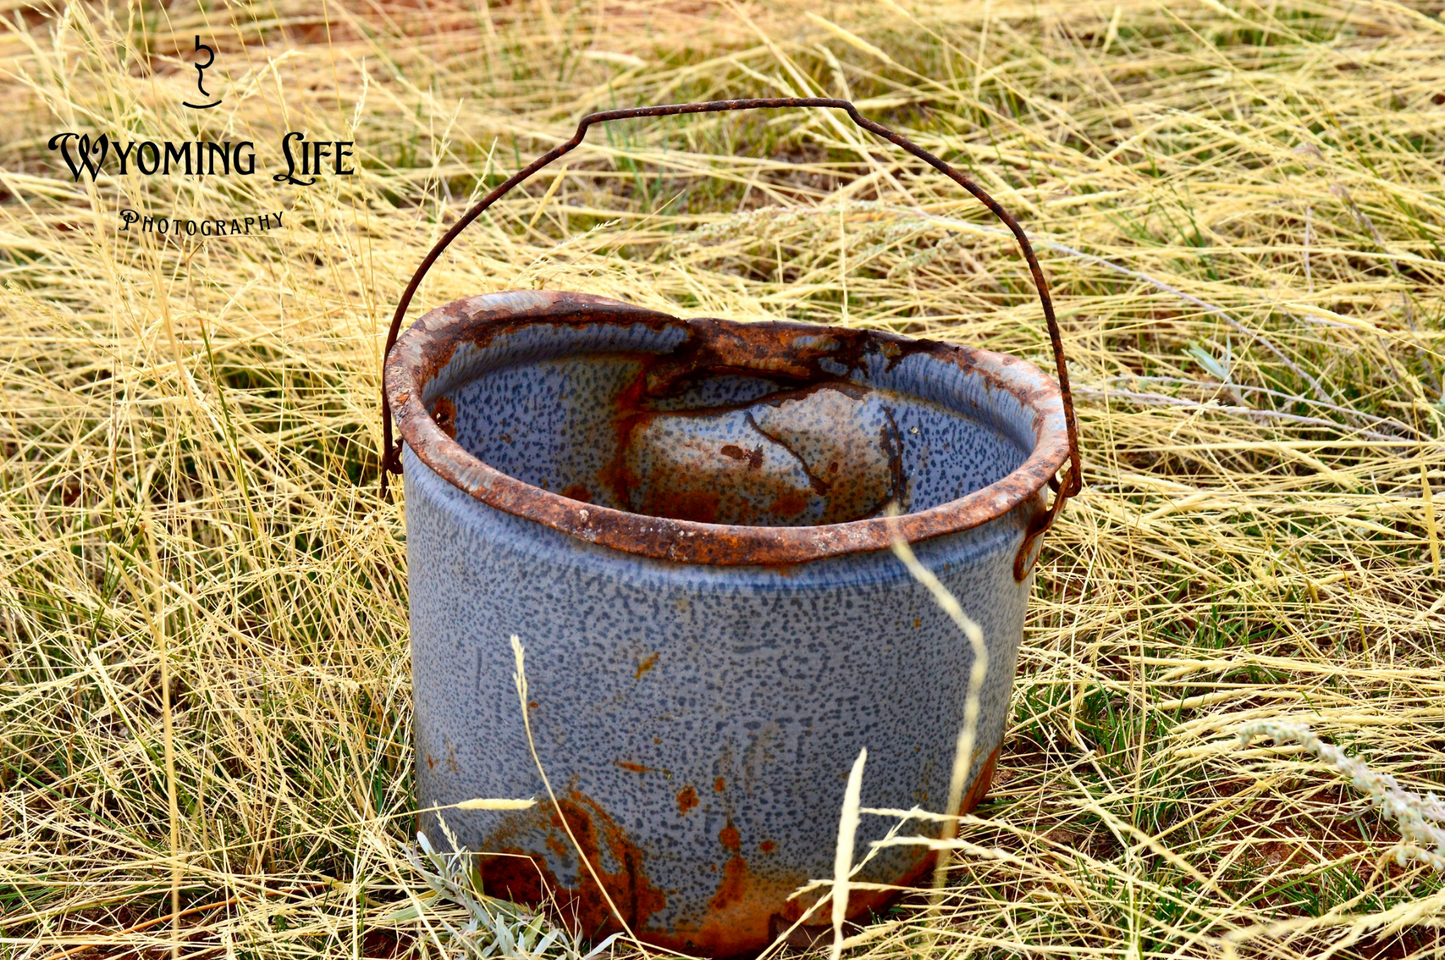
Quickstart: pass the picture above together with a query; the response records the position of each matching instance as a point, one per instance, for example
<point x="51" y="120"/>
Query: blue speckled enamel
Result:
<point x="697" y="722"/>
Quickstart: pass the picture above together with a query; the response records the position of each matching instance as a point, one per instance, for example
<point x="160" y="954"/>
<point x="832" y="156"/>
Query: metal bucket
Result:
<point x="684" y="522"/>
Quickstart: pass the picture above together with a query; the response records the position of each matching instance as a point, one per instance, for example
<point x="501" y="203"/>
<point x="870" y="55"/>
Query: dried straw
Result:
<point x="1239" y="206"/>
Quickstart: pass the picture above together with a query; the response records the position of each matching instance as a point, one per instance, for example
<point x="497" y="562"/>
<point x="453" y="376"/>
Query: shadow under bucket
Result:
<point x="683" y="520"/>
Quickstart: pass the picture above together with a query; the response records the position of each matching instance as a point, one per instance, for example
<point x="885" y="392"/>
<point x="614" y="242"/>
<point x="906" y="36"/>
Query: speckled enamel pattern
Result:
<point x="697" y="721"/>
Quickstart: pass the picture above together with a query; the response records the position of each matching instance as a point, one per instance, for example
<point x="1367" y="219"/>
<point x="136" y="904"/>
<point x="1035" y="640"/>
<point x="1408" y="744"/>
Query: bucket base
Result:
<point x="807" y="936"/>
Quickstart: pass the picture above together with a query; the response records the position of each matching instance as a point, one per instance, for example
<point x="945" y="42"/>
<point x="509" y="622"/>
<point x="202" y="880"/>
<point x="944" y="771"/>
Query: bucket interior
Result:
<point x="636" y="418"/>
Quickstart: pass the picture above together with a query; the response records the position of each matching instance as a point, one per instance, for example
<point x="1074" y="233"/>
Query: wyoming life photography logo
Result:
<point x="306" y="160"/>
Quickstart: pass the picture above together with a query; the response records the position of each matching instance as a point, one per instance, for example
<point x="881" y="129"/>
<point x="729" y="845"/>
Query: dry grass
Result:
<point x="203" y="664"/>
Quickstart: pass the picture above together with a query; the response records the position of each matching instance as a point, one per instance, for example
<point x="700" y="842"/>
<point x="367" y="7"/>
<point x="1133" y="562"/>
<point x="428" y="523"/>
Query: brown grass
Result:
<point x="203" y="662"/>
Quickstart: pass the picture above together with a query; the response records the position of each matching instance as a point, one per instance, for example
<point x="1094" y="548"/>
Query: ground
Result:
<point x="204" y="692"/>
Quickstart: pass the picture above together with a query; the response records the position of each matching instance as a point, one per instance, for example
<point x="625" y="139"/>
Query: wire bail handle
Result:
<point x="391" y="452"/>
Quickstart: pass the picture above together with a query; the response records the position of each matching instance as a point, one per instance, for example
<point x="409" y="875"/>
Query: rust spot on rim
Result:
<point x="794" y="352"/>
<point x="687" y="799"/>
<point x="444" y="412"/>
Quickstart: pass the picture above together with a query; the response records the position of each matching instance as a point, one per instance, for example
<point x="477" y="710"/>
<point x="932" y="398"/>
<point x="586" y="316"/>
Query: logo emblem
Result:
<point x="201" y="77"/>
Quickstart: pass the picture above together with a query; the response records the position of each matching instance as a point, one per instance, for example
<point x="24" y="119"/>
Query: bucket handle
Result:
<point x="391" y="453"/>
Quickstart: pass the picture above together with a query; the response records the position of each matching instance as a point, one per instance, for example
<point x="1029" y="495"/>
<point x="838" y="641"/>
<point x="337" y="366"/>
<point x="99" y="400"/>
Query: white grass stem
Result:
<point x="978" y="672"/>
<point x="843" y="858"/>
<point x="520" y="677"/>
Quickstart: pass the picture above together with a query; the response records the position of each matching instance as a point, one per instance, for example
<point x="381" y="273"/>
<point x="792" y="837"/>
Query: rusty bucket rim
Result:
<point x="421" y="351"/>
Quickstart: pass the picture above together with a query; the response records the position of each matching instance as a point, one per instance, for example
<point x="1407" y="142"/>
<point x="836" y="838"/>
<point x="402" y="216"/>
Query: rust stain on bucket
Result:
<point x="444" y="412"/>
<point x="743" y="909"/>
<point x="860" y="902"/>
<point x="826" y="453"/>
<point x="527" y="878"/>
<point x="734" y="883"/>
<point x="798" y="359"/>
